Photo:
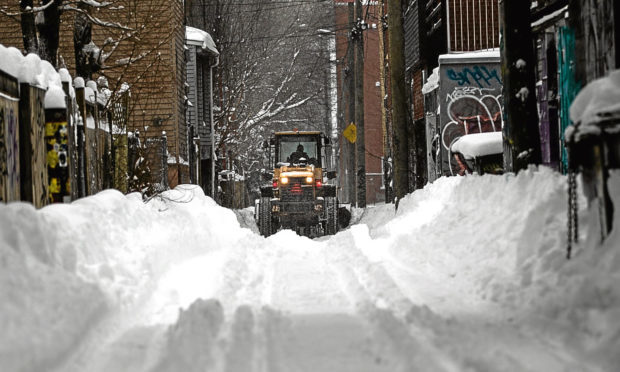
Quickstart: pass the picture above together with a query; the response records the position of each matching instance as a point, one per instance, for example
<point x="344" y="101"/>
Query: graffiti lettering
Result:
<point x="469" y="91"/>
<point x="470" y="110"/>
<point x="480" y="75"/>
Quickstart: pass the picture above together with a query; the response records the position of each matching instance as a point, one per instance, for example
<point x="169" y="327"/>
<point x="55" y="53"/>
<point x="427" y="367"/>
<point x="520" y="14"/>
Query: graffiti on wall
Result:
<point x="57" y="142"/>
<point x="9" y="151"/>
<point x="471" y="110"/>
<point x="470" y="98"/>
<point x="480" y="76"/>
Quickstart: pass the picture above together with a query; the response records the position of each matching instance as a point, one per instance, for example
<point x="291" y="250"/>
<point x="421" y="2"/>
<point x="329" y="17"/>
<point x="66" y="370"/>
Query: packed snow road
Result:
<point x="469" y="275"/>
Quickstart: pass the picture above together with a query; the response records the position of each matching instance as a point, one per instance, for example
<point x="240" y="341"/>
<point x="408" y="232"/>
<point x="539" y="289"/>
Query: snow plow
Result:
<point x="300" y="196"/>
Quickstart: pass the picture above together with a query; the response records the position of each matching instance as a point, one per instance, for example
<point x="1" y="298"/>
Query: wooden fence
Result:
<point x="59" y="155"/>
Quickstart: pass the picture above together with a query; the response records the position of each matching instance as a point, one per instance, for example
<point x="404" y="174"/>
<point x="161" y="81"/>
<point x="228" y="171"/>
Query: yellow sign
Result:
<point x="350" y="133"/>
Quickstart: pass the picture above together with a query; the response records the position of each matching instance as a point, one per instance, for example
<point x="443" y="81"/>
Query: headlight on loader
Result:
<point x="309" y="180"/>
<point x="284" y="180"/>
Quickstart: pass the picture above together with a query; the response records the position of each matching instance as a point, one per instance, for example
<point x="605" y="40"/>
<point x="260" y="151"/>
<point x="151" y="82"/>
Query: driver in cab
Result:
<point x="297" y="155"/>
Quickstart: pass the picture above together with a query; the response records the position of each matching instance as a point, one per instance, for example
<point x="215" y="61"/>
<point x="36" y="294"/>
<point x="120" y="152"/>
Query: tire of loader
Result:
<point x="331" y="227"/>
<point x="264" y="217"/>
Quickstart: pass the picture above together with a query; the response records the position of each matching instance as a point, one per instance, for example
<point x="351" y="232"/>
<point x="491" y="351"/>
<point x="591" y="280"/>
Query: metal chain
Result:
<point x="573" y="218"/>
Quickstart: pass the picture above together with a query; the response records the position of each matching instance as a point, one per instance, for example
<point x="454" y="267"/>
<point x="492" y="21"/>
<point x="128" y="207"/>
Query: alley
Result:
<point x="189" y="288"/>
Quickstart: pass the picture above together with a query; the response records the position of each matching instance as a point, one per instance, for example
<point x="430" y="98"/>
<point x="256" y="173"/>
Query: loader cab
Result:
<point x="314" y="145"/>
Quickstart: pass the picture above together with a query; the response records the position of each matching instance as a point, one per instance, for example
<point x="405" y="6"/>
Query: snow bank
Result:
<point x="63" y="266"/>
<point x="457" y="256"/>
<point x="504" y="238"/>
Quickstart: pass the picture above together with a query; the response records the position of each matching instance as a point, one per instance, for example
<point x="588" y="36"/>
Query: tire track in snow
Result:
<point x="454" y="339"/>
<point x="378" y="299"/>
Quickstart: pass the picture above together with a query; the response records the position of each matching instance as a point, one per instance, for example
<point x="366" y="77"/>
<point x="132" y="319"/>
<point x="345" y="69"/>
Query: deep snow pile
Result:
<point x="470" y="273"/>
<point x="60" y="267"/>
<point x="503" y="238"/>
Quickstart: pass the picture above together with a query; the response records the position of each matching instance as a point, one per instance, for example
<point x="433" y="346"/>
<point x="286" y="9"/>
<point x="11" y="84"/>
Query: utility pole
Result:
<point x="360" y="145"/>
<point x="387" y="153"/>
<point x="350" y="77"/>
<point x="399" y="98"/>
<point x="521" y="133"/>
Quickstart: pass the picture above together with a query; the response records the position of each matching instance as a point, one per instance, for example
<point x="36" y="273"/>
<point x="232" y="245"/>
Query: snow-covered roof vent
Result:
<point x="479" y="144"/>
<point x="194" y="36"/>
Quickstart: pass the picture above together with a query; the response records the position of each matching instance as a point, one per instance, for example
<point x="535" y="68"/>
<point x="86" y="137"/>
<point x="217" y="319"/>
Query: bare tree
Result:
<point x="272" y="73"/>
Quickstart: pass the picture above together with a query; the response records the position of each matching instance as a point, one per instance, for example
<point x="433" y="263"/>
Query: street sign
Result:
<point x="350" y="133"/>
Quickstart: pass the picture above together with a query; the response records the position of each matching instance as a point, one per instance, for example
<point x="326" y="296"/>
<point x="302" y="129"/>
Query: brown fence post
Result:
<point x="73" y="153"/>
<point x="164" y="160"/>
<point x="91" y="148"/>
<point x="81" y="142"/>
<point x="32" y="151"/>
<point x="9" y="139"/>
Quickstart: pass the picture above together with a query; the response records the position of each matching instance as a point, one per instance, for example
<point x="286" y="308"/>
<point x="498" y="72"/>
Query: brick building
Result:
<point x="147" y="54"/>
<point x="372" y="101"/>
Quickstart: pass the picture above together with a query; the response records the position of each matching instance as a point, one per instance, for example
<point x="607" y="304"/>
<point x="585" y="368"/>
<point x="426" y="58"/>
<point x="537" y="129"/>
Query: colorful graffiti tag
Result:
<point x="57" y="141"/>
<point x="482" y="76"/>
<point x="471" y="102"/>
<point x="471" y="110"/>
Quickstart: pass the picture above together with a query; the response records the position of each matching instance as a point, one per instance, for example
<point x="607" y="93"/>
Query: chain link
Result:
<point x="573" y="218"/>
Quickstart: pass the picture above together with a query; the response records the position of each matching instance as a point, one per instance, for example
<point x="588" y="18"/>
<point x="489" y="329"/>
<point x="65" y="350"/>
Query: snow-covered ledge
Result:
<point x="475" y="145"/>
<point x="194" y="36"/>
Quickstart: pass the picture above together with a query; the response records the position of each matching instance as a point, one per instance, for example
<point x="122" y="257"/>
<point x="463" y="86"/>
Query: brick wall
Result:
<point x="417" y="97"/>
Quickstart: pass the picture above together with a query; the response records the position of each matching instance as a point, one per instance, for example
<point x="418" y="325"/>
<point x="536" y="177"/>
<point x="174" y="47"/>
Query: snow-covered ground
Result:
<point x="469" y="275"/>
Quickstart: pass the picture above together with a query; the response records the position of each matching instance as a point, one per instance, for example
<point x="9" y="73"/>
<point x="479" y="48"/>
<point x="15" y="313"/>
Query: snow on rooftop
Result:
<point x="476" y="145"/>
<point x="200" y="37"/>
